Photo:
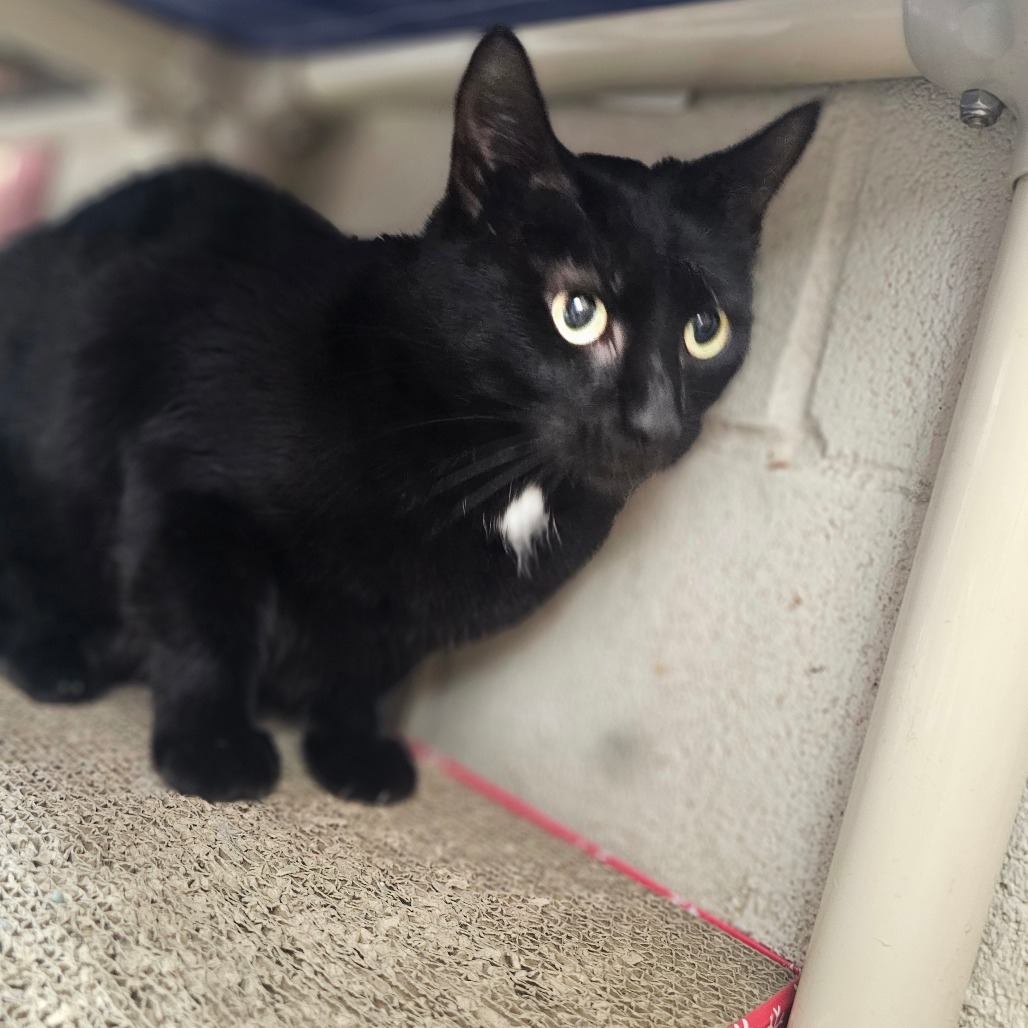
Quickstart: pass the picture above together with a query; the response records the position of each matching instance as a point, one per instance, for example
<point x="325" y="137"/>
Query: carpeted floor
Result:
<point x="124" y="904"/>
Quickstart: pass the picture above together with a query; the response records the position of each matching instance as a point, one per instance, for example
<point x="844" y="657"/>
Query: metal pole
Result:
<point x="946" y="754"/>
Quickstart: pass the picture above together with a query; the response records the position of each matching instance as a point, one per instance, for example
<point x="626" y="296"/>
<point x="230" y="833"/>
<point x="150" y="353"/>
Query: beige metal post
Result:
<point x="946" y="754"/>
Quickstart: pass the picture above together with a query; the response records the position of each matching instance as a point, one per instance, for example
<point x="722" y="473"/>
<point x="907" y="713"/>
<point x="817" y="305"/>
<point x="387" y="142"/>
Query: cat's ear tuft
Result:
<point x="500" y="123"/>
<point x="742" y="180"/>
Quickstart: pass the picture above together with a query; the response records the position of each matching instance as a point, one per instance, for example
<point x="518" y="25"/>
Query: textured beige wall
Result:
<point x="696" y="699"/>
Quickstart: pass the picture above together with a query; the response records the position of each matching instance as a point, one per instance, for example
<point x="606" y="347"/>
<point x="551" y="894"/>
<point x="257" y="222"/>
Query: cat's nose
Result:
<point x="654" y="421"/>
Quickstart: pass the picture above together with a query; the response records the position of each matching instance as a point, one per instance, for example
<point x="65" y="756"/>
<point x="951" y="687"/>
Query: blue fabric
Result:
<point x="305" y="25"/>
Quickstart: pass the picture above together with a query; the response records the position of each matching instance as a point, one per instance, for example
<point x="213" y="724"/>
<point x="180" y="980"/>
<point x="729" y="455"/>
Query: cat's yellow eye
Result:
<point x="581" y="319"/>
<point x="707" y="334"/>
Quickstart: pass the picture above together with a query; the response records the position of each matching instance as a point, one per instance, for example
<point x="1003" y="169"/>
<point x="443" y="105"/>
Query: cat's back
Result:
<point x="98" y="311"/>
<point x="190" y="225"/>
<point x="135" y="270"/>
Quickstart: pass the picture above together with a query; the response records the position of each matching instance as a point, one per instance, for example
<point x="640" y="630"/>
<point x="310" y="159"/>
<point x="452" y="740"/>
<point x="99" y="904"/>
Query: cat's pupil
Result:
<point x="705" y="325"/>
<point x="579" y="311"/>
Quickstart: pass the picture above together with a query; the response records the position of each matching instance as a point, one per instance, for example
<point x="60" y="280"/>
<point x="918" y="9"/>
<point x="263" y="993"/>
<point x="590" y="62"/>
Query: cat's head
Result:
<point x="605" y="303"/>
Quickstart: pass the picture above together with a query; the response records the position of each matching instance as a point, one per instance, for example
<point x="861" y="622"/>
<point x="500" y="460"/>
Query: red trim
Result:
<point x="771" y="1014"/>
<point x="459" y="773"/>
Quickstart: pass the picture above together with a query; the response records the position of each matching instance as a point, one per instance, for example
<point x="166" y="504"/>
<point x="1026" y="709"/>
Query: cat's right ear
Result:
<point x="501" y="128"/>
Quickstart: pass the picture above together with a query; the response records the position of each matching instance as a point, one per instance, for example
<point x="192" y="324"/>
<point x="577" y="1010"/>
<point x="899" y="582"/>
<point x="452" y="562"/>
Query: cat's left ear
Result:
<point x="741" y="181"/>
<point x="501" y="126"/>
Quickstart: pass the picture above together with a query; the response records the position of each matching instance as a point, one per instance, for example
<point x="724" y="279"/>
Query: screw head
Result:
<point x="980" y="108"/>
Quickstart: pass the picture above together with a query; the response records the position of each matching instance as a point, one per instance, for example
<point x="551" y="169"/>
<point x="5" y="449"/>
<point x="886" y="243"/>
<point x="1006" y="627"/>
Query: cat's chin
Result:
<point x="619" y="483"/>
<point x="613" y="485"/>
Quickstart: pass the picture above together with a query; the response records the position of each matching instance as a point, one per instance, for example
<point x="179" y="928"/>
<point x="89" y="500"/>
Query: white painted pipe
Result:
<point x="946" y="754"/>
<point x="730" y="44"/>
<point x="720" y="44"/>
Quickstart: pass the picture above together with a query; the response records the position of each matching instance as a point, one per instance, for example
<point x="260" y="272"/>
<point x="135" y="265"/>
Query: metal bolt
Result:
<point x="979" y="108"/>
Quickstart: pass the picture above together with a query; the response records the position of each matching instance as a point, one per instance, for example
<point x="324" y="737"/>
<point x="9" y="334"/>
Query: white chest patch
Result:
<point x="523" y="524"/>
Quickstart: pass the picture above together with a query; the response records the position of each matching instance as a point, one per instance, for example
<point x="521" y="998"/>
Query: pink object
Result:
<point x="771" y="1014"/>
<point x="24" y="181"/>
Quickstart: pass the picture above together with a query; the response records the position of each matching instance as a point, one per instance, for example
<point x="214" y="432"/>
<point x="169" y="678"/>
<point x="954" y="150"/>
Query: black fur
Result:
<point x="252" y="460"/>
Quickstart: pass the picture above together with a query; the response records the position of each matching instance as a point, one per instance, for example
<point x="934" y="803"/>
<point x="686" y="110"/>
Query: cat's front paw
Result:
<point x="371" y="769"/>
<point x="238" y="764"/>
<point x="52" y="671"/>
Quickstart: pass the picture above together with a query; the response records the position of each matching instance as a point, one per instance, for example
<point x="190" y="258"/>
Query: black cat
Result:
<point x="250" y="459"/>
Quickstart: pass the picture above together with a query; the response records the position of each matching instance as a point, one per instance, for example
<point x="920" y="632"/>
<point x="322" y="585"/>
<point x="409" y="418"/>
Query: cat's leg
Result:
<point x="43" y="650"/>
<point x="346" y="747"/>
<point x="50" y="668"/>
<point x="196" y="589"/>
